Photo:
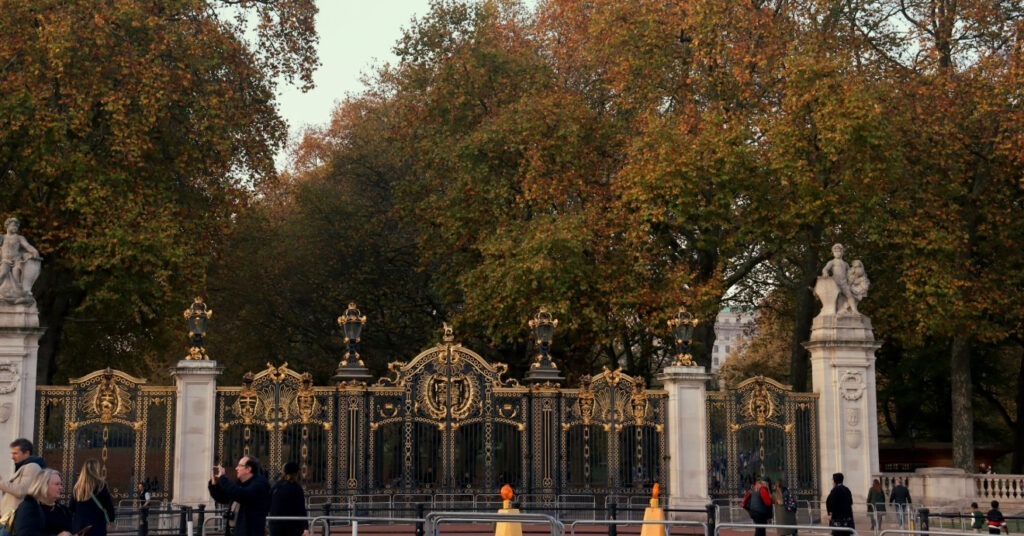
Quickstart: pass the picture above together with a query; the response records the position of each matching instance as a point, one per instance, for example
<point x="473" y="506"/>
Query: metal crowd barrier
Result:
<point x="435" y="519"/>
<point x="668" y="524"/>
<point x="809" y="528"/>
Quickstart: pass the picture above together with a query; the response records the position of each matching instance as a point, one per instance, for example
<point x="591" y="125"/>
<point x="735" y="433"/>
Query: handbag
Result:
<point x="7" y="523"/>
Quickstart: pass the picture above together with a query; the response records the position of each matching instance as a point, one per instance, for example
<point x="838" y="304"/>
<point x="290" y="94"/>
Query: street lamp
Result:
<point x="351" y="367"/>
<point x="543" y="369"/>
<point x="682" y="325"/>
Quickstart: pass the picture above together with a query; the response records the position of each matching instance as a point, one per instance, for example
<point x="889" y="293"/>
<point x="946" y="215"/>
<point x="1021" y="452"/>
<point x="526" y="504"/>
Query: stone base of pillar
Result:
<point x="687" y="428"/>
<point x="19" y="350"/>
<point x="194" y="442"/>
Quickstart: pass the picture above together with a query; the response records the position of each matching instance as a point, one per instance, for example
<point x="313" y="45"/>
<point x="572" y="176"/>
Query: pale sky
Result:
<point x="354" y="35"/>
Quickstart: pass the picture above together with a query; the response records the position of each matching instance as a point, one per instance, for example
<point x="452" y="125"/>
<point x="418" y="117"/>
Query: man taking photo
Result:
<point x="250" y="495"/>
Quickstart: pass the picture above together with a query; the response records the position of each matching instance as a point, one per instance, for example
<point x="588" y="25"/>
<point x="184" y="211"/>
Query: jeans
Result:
<point x="901" y="512"/>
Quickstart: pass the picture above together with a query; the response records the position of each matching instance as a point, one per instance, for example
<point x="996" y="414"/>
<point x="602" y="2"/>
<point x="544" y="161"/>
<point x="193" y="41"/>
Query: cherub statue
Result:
<point x="845" y="278"/>
<point x="17" y="269"/>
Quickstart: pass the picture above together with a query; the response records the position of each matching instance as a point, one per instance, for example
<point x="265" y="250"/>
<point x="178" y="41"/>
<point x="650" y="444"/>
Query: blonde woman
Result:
<point x="30" y="519"/>
<point x="91" y="505"/>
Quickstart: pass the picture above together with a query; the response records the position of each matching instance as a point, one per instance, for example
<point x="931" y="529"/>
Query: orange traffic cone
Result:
<point x="653" y="513"/>
<point x="507" y="528"/>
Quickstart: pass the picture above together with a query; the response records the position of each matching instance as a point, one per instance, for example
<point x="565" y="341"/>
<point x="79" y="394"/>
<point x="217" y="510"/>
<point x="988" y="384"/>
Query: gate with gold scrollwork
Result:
<point x="116" y="418"/>
<point x="450" y="423"/>
<point x="277" y="416"/>
<point x="762" y="428"/>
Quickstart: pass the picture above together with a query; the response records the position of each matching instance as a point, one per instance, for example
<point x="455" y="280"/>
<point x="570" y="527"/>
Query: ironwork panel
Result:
<point x="761" y="428"/>
<point x="112" y="417"/>
<point x="279" y="416"/>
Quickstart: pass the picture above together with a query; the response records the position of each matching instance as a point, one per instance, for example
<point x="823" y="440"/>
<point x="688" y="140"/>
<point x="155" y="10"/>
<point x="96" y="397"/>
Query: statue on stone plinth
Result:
<point x="850" y="284"/>
<point x="20" y="264"/>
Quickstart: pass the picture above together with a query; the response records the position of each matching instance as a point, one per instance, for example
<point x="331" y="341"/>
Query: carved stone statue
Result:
<point x="850" y="284"/>
<point x="20" y="264"/>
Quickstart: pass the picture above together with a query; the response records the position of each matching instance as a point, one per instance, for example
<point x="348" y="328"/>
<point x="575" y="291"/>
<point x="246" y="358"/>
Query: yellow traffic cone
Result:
<point x="653" y="513"/>
<point x="507" y="528"/>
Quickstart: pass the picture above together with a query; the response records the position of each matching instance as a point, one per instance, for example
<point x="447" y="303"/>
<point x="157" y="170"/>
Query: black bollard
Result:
<point x="144" y="521"/>
<point x="227" y="520"/>
<point x="202" y="517"/>
<point x="711" y="519"/>
<point x="420" y="513"/>
<point x="186" y="512"/>
<point x="327" y="522"/>
<point x="922" y="525"/>
<point x="613" y="530"/>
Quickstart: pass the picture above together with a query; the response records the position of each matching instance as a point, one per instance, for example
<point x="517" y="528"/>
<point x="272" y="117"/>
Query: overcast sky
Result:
<point x="354" y="35"/>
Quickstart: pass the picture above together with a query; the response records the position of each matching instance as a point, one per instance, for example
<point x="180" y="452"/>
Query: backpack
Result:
<point x="788" y="501"/>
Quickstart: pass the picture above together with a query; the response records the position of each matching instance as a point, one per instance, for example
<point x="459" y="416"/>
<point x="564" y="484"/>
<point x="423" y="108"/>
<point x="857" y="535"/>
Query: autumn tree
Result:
<point x="327" y="235"/>
<point x="130" y="132"/>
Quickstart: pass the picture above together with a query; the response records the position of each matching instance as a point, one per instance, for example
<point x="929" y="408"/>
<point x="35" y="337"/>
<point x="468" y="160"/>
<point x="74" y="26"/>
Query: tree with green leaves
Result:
<point x="130" y="133"/>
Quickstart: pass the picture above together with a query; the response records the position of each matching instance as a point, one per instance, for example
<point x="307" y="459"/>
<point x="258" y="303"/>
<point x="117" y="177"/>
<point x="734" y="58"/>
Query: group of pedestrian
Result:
<point x="994" y="520"/>
<point x="30" y="503"/>
<point x="766" y="501"/>
<point x="30" y="506"/>
<point x="899" y="498"/>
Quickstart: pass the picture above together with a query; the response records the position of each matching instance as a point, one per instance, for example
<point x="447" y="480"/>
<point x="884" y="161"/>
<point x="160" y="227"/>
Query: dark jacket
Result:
<point x="32" y="519"/>
<point x="253" y="498"/>
<point x="88" y="514"/>
<point x="899" y="495"/>
<point x="839" y="503"/>
<point x="759" y="505"/>
<point x="287" y="499"/>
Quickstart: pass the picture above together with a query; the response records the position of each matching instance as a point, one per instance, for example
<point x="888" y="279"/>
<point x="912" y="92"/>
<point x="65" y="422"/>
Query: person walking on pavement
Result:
<point x="288" y="500"/>
<point x="92" y="506"/>
<point x="758" y="503"/>
<point x="876" y="504"/>
<point x="251" y="494"/>
<point x="900" y="499"/>
<point x="839" y="505"/>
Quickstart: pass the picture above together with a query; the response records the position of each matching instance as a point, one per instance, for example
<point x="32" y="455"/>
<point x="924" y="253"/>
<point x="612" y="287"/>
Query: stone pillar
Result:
<point x="842" y="348"/>
<point x="687" y="427"/>
<point x="195" y="430"/>
<point x="19" y="350"/>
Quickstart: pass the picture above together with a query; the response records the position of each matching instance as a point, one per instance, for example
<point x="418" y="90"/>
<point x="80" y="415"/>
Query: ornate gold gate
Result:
<point x="762" y="428"/>
<point x="279" y="416"/>
<point x="113" y="417"/>
<point x="449" y="422"/>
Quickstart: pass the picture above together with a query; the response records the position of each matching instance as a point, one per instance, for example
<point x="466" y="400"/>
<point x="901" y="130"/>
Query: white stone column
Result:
<point x="195" y="429"/>
<point x="842" y="348"/>
<point x="19" y="350"/>
<point x="686" y="421"/>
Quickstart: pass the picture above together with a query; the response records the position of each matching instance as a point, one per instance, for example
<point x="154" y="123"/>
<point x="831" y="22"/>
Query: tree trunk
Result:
<point x="1017" y="463"/>
<point x="963" y="407"/>
<point x="799" y="358"/>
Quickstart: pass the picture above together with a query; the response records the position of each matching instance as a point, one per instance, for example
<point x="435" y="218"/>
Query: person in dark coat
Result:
<point x="287" y="499"/>
<point x="91" y="505"/>
<point x="251" y="493"/>
<point x="30" y="519"/>
<point x="839" y="505"/>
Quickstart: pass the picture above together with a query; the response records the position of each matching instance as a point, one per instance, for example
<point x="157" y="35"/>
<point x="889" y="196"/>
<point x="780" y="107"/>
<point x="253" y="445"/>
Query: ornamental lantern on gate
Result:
<point x="351" y="368"/>
<point x="682" y="325"/>
<point x="543" y="369"/>
<point x="197" y="316"/>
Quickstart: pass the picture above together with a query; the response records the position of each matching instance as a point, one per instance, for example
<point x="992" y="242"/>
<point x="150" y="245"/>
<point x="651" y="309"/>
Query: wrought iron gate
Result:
<point x="116" y="418"/>
<point x="449" y="423"/>
<point x="278" y="416"/>
<point x="762" y="428"/>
